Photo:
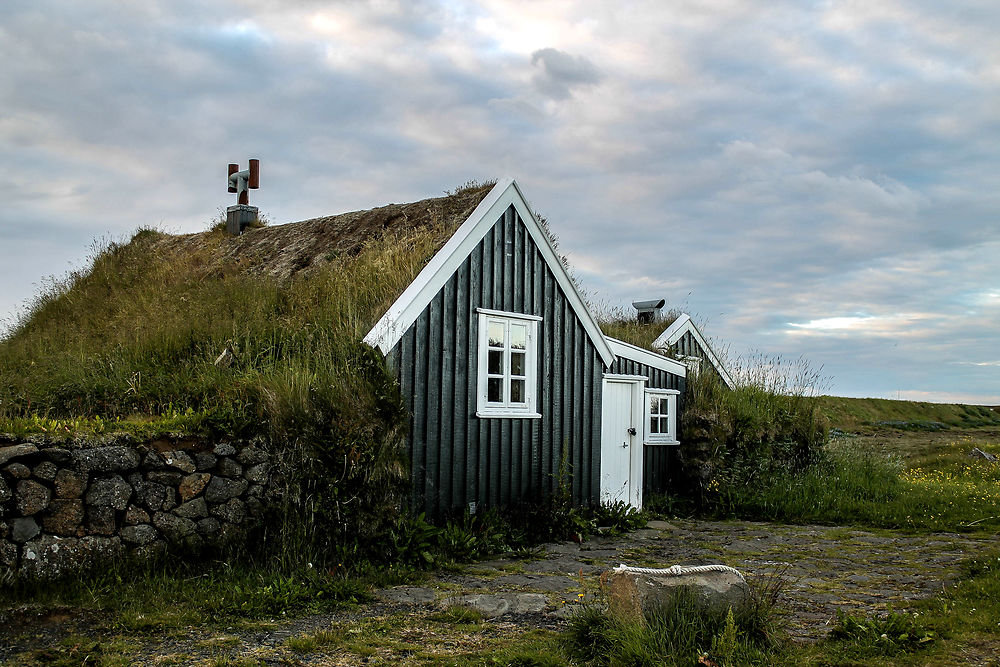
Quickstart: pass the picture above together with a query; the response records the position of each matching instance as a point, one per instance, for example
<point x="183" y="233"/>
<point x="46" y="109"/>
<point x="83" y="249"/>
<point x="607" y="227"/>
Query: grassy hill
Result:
<point x="852" y="414"/>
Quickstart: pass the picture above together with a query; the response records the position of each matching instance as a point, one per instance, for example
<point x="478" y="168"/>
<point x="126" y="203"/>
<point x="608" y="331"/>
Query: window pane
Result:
<point x="518" y="336"/>
<point x="654" y="425"/>
<point x="516" y="363"/>
<point x="494" y="390"/>
<point x="495" y="365"/>
<point x="654" y="405"/>
<point x="517" y="391"/>
<point x="664" y="425"/>
<point x="496" y="334"/>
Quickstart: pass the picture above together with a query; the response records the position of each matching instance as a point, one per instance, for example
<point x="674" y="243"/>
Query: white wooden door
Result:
<point x="621" y="443"/>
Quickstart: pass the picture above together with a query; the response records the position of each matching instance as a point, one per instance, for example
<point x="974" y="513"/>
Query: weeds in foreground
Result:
<point x="681" y="633"/>
<point x="880" y="636"/>
<point x="155" y="597"/>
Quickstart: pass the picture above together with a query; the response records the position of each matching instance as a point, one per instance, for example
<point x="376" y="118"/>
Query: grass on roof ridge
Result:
<point x="623" y="325"/>
<point x="139" y="332"/>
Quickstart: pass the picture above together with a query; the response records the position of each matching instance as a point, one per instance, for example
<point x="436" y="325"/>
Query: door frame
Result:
<point x="636" y="446"/>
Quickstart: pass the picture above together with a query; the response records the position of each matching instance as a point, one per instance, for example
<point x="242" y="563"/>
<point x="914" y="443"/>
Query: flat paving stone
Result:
<point x="567" y="566"/>
<point x="500" y="604"/>
<point x="407" y="595"/>
<point x="538" y="582"/>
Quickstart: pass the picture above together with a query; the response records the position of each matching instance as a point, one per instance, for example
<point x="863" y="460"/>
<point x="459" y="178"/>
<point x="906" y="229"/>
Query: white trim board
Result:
<point x="682" y="325"/>
<point x="418" y="294"/>
<point x="623" y="349"/>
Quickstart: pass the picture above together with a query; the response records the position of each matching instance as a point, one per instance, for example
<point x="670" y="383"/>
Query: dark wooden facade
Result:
<point x="656" y="458"/>
<point x="687" y="346"/>
<point x="458" y="458"/>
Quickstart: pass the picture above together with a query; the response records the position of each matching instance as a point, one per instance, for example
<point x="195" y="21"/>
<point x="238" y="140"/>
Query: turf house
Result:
<point x="449" y="323"/>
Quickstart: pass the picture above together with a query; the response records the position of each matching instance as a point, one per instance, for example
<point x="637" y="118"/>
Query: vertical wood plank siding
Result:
<point x="457" y="458"/>
<point x="656" y="458"/>
<point x="687" y="345"/>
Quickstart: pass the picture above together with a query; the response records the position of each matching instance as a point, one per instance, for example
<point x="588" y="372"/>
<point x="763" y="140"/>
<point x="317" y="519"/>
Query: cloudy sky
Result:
<point x="817" y="179"/>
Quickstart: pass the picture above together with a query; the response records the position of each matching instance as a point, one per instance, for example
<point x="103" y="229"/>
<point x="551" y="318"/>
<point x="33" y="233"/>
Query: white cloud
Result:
<point x="809" y="179"/>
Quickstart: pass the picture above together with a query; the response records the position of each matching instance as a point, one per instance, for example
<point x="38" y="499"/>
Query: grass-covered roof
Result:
<point x="136" y="335"/>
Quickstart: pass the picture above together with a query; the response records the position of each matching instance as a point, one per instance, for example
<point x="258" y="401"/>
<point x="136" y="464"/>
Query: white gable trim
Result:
<point x="418" y="294"/>
<point x="623" y="349"/>
<point x="682" y="325"/>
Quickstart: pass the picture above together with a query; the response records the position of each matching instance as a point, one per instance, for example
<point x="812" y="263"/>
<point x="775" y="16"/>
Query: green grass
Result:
<point x="165" y="597"/>
<point x="854" y="484"/>
<point x="138" y="333"/>
<point x="958" y="626"/>
<point x="681" y="633"/>
<point x="623" y="325"/>
<point x="311" y="643"/>
<point x="853" y="414"/>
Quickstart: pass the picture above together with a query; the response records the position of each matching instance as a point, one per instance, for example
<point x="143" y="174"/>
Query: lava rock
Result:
<point x="193" y="509"/>
<point x="70" y="484"/>
<point x="18" y="471"/>
<point x="192" y="485"/>
<point x="8" y="553"/>
<point x="32" y="497"/>
<point x="251" y="455"/>
<point x="637" y="594"/>
<point x="224" y="449"/>
<point x="229" y="468"/>
<point x="46" y="470"/>
<point x="135" y="515"/>
<point x="109" y="492"/>
<point x="65" y="517"/>
<point x="151" y="495"/>
<point x="258" y="474"/>
<point x="204" y="461"/>
<point x="179" y="460"/>
<point x="23" y="529"/>
<point x="101" y="520"/>
<point x="106" y="459"/>
<point x="51" y="557"/>
<point x="139" y="534"/>
<point x="15" y="451"/>
<point x="175" y="528"/>
<point x="232" y="511"/>
<point x="221" y="489"/>
<point x="209" y="526"/>
<point x="165" y="477"/>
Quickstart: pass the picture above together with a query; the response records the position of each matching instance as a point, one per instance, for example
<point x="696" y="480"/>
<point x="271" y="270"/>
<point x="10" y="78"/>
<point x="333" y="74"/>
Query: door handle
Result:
<point x="631" y="430"/>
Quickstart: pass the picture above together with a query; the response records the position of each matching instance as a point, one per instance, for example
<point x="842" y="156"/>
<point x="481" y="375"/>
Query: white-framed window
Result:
<point x="507" y="352"/>
<point x="661" y="417"/>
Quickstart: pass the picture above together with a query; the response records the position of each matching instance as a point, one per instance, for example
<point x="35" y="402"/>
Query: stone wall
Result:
<point x="68" y="505"/>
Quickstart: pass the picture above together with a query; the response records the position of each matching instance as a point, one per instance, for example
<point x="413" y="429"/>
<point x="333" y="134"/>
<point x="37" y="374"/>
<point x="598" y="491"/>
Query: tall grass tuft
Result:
<point x="682" y="632"/>
<point x="770" y="419"/>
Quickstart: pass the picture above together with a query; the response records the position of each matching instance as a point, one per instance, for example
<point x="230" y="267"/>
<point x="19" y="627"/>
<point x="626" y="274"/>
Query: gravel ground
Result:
<point x="825" y="568"/>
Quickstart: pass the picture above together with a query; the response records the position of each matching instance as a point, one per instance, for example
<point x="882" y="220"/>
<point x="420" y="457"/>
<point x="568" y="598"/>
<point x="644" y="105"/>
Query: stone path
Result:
<point x="825" y="568"/>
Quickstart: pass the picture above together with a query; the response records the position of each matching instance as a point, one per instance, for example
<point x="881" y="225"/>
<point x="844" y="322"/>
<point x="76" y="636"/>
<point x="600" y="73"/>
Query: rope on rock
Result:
<point x="678" y="570"/>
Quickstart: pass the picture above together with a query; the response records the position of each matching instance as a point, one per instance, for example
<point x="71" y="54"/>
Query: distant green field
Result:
<point x="857" y="413"/>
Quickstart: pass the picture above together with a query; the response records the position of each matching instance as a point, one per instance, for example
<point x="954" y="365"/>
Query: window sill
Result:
<point x="507" y="415"/>
<point x="669" y="443"/>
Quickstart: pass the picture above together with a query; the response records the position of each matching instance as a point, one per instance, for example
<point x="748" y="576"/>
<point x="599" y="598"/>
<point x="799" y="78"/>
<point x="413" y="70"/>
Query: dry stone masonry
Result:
<point x="69" y="505"/>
